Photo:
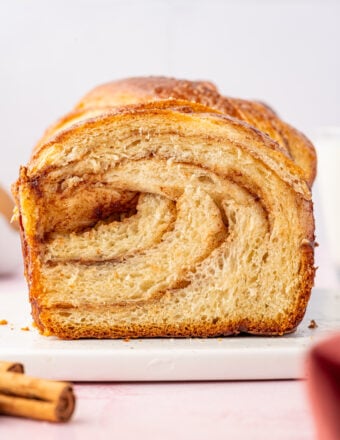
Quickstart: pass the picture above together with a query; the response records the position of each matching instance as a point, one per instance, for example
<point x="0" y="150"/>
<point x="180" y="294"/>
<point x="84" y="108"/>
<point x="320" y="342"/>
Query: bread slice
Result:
<point x="165" y="217"/>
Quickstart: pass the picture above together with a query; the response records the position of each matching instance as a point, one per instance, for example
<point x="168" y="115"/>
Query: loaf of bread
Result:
<point x="159" y="208"/>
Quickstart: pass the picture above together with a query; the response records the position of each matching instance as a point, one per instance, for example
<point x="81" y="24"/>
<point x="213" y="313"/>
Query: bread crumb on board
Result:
<point x="3" y="322"/>
<point x="313" y="324"/>
<point x="25" y="329"/>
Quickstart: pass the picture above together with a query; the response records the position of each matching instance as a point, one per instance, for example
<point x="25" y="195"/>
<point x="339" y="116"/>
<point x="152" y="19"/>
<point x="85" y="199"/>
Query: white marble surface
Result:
<point x="234" y="358"/>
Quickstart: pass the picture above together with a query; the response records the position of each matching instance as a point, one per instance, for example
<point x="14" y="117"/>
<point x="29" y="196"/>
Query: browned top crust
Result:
<point x="149" y="89"/>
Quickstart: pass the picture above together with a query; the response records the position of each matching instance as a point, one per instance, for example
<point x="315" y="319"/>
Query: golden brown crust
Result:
<point x="137" y="90"/>
<point x="190" y="329"/>
<point x="80" y="114"/>
<point x="272" y="144"/>
<point x="37" y="168"/>
<point x="149" y="89"/>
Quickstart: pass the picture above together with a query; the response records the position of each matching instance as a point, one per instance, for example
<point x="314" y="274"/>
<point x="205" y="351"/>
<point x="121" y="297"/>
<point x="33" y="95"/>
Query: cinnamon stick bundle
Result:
<point x="39" y="399"/>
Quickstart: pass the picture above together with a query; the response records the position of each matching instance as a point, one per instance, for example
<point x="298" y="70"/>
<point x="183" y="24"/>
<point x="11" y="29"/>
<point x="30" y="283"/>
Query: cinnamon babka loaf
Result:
<point x="158" y="207"/>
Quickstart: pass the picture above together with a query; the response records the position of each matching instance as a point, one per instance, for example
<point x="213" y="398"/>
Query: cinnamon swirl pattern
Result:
<point x="165" y="217"/>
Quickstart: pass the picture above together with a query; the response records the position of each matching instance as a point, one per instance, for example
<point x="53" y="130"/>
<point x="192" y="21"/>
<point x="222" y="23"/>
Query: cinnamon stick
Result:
<point x="14" y="367"/>
<point x="6" y="207"/>
<point x="40" y="399"/>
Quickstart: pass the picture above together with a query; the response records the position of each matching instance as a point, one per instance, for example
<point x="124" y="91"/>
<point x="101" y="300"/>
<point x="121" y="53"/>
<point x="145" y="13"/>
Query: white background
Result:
<point x="52" y="52"/>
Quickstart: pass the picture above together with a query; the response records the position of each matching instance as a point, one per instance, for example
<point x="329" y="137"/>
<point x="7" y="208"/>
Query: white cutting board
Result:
<point x="230" y="358"/>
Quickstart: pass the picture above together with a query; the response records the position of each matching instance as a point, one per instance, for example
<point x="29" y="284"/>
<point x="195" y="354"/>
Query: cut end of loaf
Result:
<point x="155" y="221"/>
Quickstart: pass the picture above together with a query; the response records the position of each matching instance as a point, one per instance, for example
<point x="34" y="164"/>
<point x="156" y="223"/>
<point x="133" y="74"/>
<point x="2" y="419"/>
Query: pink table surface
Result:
<point x="189" y="410"/>
<point x="197" y="410"/>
